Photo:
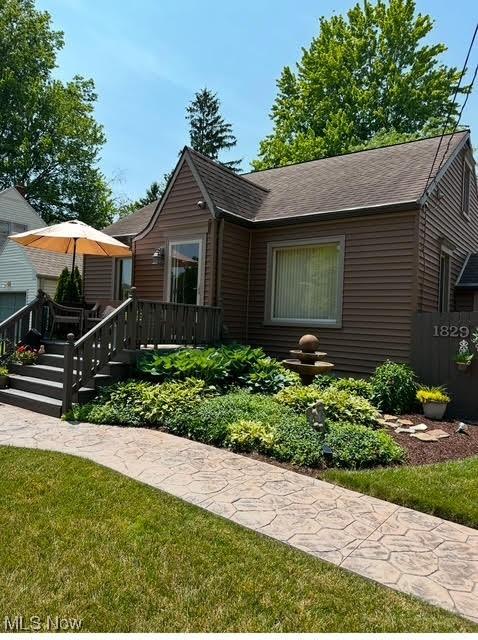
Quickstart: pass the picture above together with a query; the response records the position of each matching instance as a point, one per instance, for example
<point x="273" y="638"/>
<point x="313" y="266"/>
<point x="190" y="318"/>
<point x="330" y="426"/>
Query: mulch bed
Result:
<point x="457" y="446"/>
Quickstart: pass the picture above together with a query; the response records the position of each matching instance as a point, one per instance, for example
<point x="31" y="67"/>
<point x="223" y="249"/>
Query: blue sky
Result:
<point x="148" y="57"/>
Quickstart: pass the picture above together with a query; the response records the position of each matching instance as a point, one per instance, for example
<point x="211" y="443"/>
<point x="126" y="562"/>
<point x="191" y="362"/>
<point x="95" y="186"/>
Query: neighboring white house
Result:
<point x="23" y="270"/>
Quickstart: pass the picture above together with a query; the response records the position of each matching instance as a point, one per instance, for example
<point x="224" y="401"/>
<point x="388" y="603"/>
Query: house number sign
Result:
<point x="450" y="331"/>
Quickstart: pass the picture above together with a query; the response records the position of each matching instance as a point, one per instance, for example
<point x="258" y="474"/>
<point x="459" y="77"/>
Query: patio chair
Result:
<point x="99" y="311"/>
<point x="63" y="315"/>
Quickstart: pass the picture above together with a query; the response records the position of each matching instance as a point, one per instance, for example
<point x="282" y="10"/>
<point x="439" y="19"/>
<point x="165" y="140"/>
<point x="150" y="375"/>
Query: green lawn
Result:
<point x="447" y="489"/>
<point x="81" y="541"/>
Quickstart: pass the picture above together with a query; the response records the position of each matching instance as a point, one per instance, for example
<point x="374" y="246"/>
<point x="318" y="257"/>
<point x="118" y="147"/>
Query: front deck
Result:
<point x="89" y="358"/>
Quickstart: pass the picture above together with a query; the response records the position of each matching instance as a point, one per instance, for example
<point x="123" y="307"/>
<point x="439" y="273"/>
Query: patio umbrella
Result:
<point x="73" y="237"/>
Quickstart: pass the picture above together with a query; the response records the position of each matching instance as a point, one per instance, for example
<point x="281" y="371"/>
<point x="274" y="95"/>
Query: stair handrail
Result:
<point x="11" y="327"/>
<point x="119" y="335"/>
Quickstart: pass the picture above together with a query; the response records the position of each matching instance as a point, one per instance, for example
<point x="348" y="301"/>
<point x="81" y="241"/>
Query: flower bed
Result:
<point x="238" y="398"/>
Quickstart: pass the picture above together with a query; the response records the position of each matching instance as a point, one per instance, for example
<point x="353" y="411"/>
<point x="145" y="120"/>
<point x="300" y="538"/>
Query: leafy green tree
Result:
<point x="153" y="193"/>
<point x="49" y="138"/>
<point x="208" y="131"/>
<point x="366" y="76"/>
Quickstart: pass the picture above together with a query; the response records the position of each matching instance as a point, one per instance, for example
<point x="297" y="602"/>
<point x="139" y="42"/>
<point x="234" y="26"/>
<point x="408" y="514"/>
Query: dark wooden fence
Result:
<point x="436" y="340"/>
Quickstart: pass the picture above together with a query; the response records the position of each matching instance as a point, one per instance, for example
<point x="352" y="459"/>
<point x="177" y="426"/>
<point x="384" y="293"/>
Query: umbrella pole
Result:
<point x="74" y="257"/>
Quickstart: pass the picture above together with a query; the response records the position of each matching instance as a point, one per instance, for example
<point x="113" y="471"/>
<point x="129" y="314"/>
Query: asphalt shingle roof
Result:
<point x="387" y="176"/>
<point x="49" y="264"/>
<point x="229" y="191"/>
<point x="132" y="224"/>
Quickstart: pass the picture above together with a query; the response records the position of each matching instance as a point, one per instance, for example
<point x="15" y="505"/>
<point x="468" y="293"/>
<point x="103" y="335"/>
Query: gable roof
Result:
<point x="133" y="223"/>
<point x="229" y="191"/>
<point x="383" y="179"/>
<point x="49" y="264"/>
<point x="468" y="278"/>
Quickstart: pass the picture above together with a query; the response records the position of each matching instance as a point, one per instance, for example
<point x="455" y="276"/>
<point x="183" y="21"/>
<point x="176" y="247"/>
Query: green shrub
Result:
<point x="394" y="388"/>
<point x="221" y="367"/>
<point x="68" y="288"/>
<point x="324" y="380"/>
<point x="339" y="405"/>
<point x="357" y="386"/>
<point x="299" y="398"/>
<point x="208" y="421"/>
<point x="285" y="435"/>
<point x="268" y="376"/>
<point x="354" y="446"/>
<point x="297" y="442"/>
<point x="3" y="371"/>
<point x="250" y="435"/>
<point x="140" y="403"/>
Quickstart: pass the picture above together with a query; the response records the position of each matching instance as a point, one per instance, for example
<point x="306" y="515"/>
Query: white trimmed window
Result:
<point x="305" y="280"/>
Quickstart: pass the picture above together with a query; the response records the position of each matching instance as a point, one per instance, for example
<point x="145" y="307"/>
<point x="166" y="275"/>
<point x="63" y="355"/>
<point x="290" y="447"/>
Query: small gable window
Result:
<point x="466" y="187"/>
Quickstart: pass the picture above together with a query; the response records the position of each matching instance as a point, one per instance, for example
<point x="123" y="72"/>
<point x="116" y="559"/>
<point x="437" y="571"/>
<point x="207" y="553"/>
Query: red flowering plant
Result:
<point x="26" y="355"/>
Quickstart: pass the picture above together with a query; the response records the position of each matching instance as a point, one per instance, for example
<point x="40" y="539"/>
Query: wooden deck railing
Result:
<point x="160" y="323"/>
<point x="135" y="324"/>
<point x="84" y="358"/>
<point x="14" y="328"/>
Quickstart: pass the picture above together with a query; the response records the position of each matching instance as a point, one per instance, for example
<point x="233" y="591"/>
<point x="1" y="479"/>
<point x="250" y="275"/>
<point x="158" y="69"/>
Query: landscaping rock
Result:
<point x="404" y="430"/>
<point x="388" y="417"/>
<point x="439" y="433"/>
<point x="419" y="427"/>
<point x="405" y="422"/>
<point x="432" y="436"/>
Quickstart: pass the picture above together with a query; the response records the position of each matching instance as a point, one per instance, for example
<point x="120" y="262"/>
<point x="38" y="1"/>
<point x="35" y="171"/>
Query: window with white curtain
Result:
<point x="305" y="282"/>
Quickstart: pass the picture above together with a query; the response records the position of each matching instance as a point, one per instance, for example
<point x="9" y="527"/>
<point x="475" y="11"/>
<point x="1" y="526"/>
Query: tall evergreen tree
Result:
<point x="366" y="78"/>
<point x="49" y="139"/>
<point x="208" y="131"/>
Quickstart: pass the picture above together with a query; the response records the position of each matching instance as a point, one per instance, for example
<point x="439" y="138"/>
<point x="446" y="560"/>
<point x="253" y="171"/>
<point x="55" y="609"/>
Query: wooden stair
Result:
<point x="39" y="387"/>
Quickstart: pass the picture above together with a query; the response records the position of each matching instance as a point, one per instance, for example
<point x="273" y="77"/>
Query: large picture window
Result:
<point x="305" y="282"/>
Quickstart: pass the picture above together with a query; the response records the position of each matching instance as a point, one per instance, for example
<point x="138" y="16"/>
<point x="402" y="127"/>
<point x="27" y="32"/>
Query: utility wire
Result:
<point x="445" y="126"/>
<point x="463" y="71"/>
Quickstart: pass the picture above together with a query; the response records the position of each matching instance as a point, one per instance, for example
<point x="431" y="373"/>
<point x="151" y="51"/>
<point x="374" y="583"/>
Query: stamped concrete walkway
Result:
<point x="406" y="550"/>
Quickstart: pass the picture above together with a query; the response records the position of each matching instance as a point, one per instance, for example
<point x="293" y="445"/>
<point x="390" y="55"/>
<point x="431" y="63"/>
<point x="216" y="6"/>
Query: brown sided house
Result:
<point x="348" y="247"/>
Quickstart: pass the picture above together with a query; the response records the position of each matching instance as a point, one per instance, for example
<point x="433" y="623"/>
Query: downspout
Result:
<point x="219" y="233"/>
<point x="248" y="286"/>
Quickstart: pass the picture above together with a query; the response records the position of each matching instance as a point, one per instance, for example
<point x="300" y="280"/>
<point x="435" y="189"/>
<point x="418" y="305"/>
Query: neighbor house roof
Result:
<point x="469" y="276"/>
<point x="396" y="175"/>
<point x="49" y="264"/>
<point x="133" y="223"/>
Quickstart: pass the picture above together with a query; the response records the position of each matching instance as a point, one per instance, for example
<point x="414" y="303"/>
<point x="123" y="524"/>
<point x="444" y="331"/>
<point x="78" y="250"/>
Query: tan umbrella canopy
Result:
<point x="72" y="237"/>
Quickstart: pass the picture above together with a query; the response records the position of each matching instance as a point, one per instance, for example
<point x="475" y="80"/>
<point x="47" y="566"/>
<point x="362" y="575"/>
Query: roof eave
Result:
<point x="394" y="207"/>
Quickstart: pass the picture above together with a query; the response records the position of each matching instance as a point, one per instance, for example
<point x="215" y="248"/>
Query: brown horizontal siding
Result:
<point x="98" y="278"/>
<point x="234" y="280"/>
<point x="443" y="219"/>
<point x="180" y="215"/>
<point x="378" y="294"/>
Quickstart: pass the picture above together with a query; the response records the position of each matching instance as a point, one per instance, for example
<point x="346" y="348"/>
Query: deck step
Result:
<point x="32" y="401"/>
<point x="42" y="371"/>
<point x="38" y="386"/>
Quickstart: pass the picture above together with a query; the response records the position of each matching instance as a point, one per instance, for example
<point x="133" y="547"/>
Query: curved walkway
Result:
<point x="404" y="549"/>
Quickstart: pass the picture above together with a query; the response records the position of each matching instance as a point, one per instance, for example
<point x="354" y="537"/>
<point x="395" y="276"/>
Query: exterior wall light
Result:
<point x="158" y="256"/>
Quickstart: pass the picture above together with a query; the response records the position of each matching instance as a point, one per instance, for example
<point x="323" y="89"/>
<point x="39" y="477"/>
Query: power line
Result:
<point x="463" y="71"/>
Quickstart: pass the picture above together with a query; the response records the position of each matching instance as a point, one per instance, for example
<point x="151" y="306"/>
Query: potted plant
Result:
<point x="434" y="401"/>
<point x="25" y="355"/>
<point x="3" y="377"/>
<point x="464" y="357"/>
